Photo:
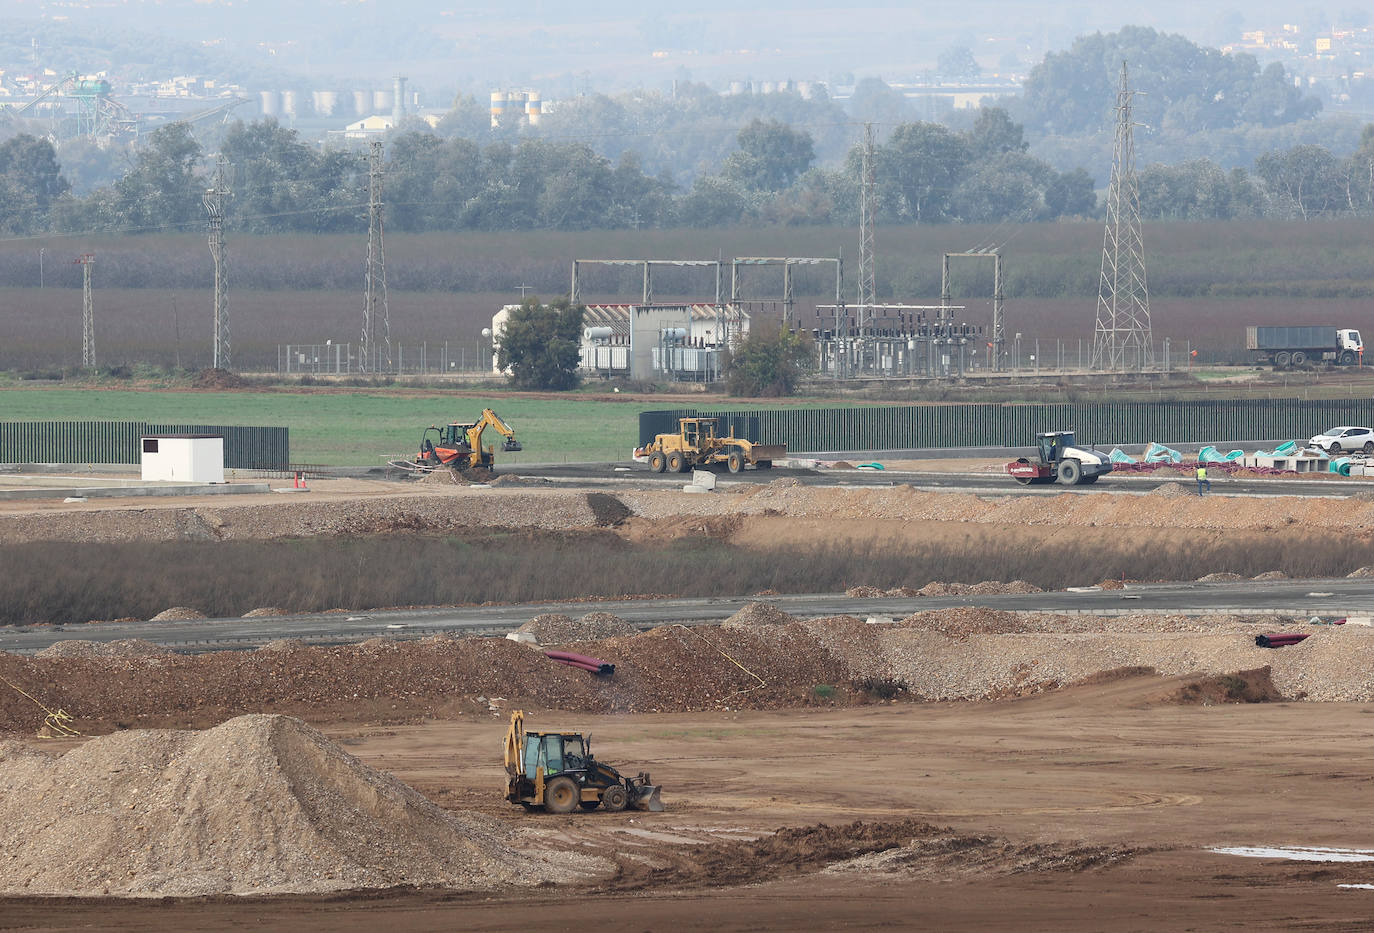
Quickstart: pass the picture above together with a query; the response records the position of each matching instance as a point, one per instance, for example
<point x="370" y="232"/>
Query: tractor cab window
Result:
<point x="1049" y="448"/>
<point x="691" y="434"/>
<point x="543" y="751"/>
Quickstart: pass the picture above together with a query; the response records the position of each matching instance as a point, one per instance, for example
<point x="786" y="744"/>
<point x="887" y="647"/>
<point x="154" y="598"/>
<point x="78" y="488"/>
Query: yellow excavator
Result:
<point x="556" y="772"/>
<point x="459" y="445"/>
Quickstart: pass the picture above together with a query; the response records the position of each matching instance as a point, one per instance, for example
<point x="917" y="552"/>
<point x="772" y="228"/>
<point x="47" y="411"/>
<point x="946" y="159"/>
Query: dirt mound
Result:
<point x="282" y="645"/>
<point x="1270" y="575"/>
<point x="218" y="379"/>
<point x="1254" y="686"/>
<point x="607" y="509"/>
<point x="260" y="804"/>
<point x="788" y="852"/>
<point x="264" y="612"/>
<point x="1168" y="491"/>
<point x="909" y="847"/>
<point x="944" y="589"/>
<point x="1361" y="574"/>
<point x="1223" y="577"/>
<point x="120" y="648"/>
<point x="864" y="592"/>
<point x="946" y="855"/>
<point x="964" y="621"/>
<point x="758" y="615"/>
<point x="557" y="629"/>
<point x="178" y="614"/>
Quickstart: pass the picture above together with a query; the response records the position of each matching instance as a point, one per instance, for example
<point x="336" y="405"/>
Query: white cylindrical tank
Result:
<point x="383" y="101"/>
<point x="288" y="103"/>
<point x="324" y="102"/>
<point x="362" y="103"/>
<point x="270" y="103"/>
<point x="598" y="333"/>
<point x="533" y="108"/>
<point x="768" y="87"/>
<point x="498" y="107"/>
<point x="674" y="334"/>
<point x="736" y="88"/>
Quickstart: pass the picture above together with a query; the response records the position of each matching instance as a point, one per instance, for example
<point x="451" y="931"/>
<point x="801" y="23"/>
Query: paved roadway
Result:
<point x="1329" y="599"/>
<point x="604" y="475"/>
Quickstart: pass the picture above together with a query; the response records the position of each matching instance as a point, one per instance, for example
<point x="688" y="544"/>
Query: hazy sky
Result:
<point x="617" y="44"/>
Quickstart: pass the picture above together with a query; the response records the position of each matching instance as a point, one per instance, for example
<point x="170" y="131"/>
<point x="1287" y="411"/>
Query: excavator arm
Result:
<point x="515" y="745"/>
<point x="491" y="419"/>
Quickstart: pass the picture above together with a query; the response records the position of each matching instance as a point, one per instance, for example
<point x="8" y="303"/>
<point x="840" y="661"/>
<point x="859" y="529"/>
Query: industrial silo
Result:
<point x="534" y="109"/>
<point x="362" y="103"/>
<point x="383" y="101"/>
<point x="270" y="103"/>
<point x="324" y="102"/>
<point x="289" y="103"/>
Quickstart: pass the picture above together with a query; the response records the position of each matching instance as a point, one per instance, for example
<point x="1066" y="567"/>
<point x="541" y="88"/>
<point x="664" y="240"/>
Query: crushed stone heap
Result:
<point x="260" y="804"/>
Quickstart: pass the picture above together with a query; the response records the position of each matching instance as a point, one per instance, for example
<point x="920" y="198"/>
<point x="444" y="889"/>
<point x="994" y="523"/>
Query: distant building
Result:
<point x="649" y="343"/>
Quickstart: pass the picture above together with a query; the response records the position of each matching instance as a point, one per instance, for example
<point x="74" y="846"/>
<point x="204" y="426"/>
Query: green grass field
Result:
<point x="360" y="427"/>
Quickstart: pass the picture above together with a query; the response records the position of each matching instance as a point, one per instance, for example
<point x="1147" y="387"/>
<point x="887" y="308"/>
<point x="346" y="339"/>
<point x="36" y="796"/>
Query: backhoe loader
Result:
<point x="556" y="772"/>
<point x="460" y="445"/>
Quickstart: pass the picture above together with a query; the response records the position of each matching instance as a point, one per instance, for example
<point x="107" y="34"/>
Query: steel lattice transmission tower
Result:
<point x="214" y="209"/>
<point x="868" y="221"/>
<point x="1123" y="339"/>
<point x="370" y="355"/>
<point x="87" y="312"/>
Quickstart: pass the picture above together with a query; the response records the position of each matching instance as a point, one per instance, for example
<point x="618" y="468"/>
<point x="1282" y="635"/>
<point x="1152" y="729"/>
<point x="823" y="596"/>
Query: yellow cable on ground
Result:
<point x="761" y="681"/>
<point x="57" y="719"/>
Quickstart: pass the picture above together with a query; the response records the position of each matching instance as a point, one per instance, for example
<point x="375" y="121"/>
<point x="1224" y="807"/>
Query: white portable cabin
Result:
<point x="183" y="458"/>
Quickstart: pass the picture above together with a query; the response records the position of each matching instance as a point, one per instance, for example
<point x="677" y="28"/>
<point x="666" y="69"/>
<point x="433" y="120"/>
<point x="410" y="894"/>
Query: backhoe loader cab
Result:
<point x="459" y="444"/>
<point x="557" y="772"/>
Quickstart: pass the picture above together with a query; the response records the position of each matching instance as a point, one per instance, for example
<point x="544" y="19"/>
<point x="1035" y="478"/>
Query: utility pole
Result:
<point x="214" y="210"/>
<point x="1122" y="338"/>
<point x="370" y="355"/>
<point x="868" y="221"/>
<point x="87" y="311"/>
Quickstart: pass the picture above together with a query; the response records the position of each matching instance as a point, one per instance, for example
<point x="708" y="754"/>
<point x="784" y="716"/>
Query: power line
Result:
<point x="1122" y="338"/>
<point x="375" y="292"/>
<point x="214" y="209"/>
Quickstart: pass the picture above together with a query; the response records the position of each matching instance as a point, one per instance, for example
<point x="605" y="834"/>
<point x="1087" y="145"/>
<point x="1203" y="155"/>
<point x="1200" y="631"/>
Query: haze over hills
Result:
<point x="601" y="45"/>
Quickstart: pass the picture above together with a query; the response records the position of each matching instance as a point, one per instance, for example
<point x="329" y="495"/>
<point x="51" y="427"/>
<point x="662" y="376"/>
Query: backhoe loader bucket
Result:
<point x="648" y="798"/>
<point x="511" y="444"/>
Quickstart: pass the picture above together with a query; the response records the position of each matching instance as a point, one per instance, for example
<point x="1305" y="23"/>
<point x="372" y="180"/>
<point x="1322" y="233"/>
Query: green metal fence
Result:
<point x="1015" y="425"/>
<point x="245" y="448"/>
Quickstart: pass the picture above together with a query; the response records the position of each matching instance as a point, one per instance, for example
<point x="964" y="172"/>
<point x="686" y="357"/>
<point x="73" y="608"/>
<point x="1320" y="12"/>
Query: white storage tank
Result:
<point x="183" y="458"/>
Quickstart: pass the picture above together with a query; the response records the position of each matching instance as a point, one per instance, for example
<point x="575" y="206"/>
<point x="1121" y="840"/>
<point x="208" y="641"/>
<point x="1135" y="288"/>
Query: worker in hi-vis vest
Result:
<point x="1202" y="480"/>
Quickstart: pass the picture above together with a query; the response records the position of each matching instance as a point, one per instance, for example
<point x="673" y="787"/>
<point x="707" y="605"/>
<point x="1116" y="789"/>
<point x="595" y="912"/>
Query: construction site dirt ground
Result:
<point x="1091" y="808"/>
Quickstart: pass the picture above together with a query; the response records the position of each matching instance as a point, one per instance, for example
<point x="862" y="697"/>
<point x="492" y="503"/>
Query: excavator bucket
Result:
<point x="647" y="798"/>
<point x="511" y="444"/>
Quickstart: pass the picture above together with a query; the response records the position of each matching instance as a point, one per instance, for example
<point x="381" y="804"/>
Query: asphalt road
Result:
<point x="1329" y="599"/>
<point x="611" y="474"/>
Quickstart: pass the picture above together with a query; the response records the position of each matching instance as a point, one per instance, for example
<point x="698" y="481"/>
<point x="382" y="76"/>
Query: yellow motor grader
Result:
<point x="697" y="444"/>
<point x="556" y="772"/>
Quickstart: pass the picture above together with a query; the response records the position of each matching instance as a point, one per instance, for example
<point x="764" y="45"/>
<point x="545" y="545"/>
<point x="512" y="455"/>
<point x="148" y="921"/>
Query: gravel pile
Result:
<point x="178" y="614"/>
<point x="762" y="659"/>
<point x="445" y="507"/>
<point x="265" y="611"/>
<point x="558" y="629"/>
<point x="120" y="648"/>
<point x="258" y="805"/>
<point x="757" y="615"/>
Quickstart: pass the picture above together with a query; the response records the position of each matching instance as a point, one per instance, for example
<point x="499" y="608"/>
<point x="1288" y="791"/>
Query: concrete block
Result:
<point x="704" y="478"/>
<point x="690" y="487"/>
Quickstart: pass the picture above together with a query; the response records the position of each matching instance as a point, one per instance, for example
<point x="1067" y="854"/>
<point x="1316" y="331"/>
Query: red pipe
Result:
<point x="594" y="665"/>
<point x="1280" y="640"/>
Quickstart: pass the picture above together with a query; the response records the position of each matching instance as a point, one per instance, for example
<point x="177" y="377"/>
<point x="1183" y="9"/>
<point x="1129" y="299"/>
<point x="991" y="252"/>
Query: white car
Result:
<point x="1345" y="438"/>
